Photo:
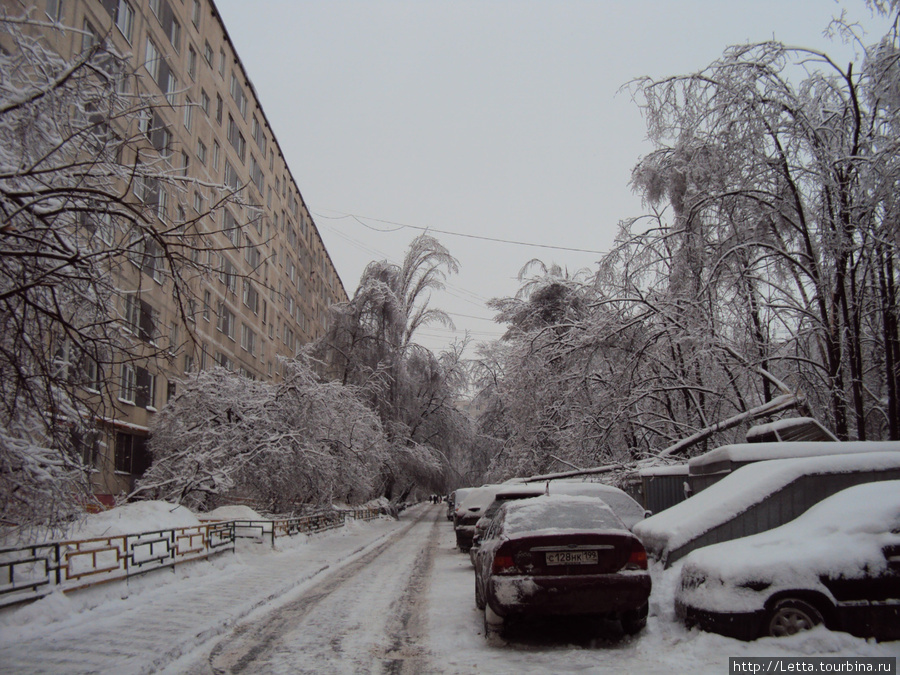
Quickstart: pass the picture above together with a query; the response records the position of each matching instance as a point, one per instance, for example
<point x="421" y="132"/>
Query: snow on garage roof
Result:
<point x="742" y="489"/>
<point x="790" y="429"/>
<point x="668" y="470"/>
<point x="755" y="452"/>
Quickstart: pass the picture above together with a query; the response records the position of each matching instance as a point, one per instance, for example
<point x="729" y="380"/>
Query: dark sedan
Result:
<point x="560" y="555"/>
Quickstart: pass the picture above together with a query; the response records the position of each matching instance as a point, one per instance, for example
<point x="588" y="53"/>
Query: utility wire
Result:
<point x="455" y="234"/>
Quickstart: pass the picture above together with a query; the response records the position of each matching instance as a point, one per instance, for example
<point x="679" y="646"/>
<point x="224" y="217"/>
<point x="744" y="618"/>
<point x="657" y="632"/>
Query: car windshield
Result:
<point x="559" y="513"/>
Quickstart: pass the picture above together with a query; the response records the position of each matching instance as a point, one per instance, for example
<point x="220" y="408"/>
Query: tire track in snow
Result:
<point x="255" y="643"/>
<point x="407" y="656"/>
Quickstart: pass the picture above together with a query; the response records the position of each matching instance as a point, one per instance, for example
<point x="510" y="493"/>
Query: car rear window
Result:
<point x="559" y="513"/>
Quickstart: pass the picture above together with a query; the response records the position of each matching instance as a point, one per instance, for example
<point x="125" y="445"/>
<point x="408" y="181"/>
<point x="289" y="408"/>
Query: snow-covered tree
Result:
<point x="782" y="234"/>
<point x="371" y="343"/>
<point x="763" y="279"/>
<point x="300" y="441"/>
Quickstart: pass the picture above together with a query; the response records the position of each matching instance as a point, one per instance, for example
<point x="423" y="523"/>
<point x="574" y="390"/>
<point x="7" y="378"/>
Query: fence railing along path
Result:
<point x="30" y="572"/>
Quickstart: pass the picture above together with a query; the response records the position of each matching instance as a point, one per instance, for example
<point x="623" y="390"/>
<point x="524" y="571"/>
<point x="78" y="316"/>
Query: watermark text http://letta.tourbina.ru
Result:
<point x="813" y="664"/>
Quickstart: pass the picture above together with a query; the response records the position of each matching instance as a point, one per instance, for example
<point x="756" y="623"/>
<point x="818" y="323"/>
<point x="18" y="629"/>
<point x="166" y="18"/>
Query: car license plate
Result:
<point x="571" y="557"/>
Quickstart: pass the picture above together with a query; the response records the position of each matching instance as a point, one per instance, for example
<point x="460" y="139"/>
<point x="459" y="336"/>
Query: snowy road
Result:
<point x="378" y="597"/>
<point x="364" y="617"/>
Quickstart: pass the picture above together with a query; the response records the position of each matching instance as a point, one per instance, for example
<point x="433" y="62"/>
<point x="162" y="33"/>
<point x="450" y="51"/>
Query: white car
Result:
<point x="837" y="564"/>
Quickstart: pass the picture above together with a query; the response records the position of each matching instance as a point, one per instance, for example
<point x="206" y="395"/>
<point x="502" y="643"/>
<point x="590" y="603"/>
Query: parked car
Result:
<point x="837" y="564"/>
<point x="505" y="494"/>
<point x="454" y="499"/>
<point x="628" y="510"/>
<point x="469" y="511"/>
<point x="560" y="555"/>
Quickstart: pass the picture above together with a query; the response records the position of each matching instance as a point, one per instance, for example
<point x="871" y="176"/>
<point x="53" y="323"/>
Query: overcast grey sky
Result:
<point x="498" y="119"/>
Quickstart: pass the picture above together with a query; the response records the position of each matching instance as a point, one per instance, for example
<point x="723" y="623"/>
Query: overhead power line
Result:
<point x="497" y="240"/>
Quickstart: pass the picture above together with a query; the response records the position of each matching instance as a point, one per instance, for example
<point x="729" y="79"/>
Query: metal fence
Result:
<point x="30" y="572"/>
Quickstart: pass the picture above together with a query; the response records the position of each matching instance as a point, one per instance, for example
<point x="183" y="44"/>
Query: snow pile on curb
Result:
<point x="233" y="512"/>
<point x="134" y="518"/>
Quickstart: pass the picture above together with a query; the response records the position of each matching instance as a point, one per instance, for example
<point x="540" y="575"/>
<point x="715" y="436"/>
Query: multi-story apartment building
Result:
<point x="273" y="278"/>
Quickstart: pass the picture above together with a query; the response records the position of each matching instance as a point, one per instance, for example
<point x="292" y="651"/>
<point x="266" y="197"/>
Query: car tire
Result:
<point x="493" y="624"/>
<point x="479" y="598"/>
<point x="634" y="620"/>
<point x="790" y="616"/>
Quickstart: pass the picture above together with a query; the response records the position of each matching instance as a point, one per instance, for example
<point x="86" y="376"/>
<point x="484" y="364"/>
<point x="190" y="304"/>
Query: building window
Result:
<point x="219" y="108"/>
<point x="132" y="456"/>
<point x="188" y="113"/>
<point x="215" y="157"/>
<point x="230" y="227"/>
<point x="251" y="297"/>
<point x="192" y="63"/>
<point x="222" y="62"/>
<point x="256" y="175"/>
<point x="140" y="317"/>
<point x="204" y="102"/>
<point x="54" y="10"/>
<point x="237" y="93"/>
<point x="185" y="163"/>
<point x="195" y="14"/>
<point x="206" y="305"/>
<point x="161" y="213"/>
<point x="89" y="37"/>
<point x="248" y="340"/>
<point x="125" y="19"/>
<point x="259" y="136"/>
<point x="236" y="138"/>
<point x="227" y="275"/>
<point x="155" y="7"/>
<point x="145" y="389"/>
<point x="252" y="255"/>
<point x="127" y="384"/>
<point x="226" y="321"/>
<point x="201" y="151"/>
<point x="208" y="53"/>
<point x="232" y="180"/>
<point x="174" y="33"/>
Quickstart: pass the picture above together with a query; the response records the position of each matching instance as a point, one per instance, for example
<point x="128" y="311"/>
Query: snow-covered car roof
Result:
<point x="559" y="513"/>
<point x="479" y="498"/>
<point x="742" y="489"/>
<point x="618" y="500"/>
<point x="754" y="452"/>
<point x="843" y="535"/>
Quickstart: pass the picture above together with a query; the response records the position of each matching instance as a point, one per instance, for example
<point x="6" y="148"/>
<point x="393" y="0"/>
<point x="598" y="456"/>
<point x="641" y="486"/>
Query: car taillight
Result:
<point x="637" y="560"/>
<point x="504" y="564"/>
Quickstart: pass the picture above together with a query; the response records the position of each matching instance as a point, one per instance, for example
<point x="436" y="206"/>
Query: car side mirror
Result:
<point x="647" y="513"/>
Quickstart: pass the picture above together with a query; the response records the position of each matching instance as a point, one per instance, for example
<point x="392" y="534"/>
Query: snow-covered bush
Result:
<point x="299" y="441"/>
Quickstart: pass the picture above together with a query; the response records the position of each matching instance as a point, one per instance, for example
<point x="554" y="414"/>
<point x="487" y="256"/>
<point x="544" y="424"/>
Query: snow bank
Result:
<point x="841" y="536"/>
<point x="742" y="489"/>
<point x="233" y="512"/>
<point x="134" y="518"/>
